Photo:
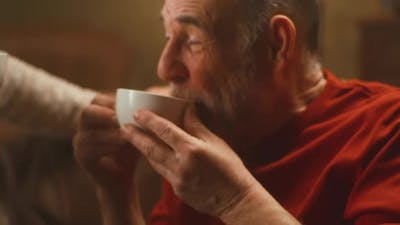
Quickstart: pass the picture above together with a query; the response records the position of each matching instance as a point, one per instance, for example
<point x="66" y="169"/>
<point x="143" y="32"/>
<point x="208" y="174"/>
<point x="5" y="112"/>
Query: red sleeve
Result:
<point x="160" y="214"/>
<point x="375" y="198"/>
<point x="170" y="210"/>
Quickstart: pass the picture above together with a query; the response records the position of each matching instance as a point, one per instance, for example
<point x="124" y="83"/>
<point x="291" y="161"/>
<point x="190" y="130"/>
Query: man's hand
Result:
<point x="100" y="148"/>
<point x="203" y="170"/>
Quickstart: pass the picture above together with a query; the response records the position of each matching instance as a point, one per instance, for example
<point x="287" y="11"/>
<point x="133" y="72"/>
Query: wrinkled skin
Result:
<point x="203" y="65"/>
<point x="100" y="148"/>
<point x="202" y="169"/>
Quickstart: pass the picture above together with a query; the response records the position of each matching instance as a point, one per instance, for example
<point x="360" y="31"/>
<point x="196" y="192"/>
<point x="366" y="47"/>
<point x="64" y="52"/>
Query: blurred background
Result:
<point x="103" y="44"/>
<point x="106" y="44"/>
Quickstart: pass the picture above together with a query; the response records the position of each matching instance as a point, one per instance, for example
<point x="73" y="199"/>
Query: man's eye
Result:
<point x="195" y="45"/>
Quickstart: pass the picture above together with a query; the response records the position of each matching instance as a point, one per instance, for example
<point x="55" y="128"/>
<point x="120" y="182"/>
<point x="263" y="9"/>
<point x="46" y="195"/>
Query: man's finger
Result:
<point x="150" y="147"/>
<point x="96" y="151"/>
<point x="89" y="158"/>
<point x="168" y="132"/>
<point x="104" y="100"/>
<point x="92" y="145"/>
<point x="101" y="137"/>
<point x="97" y="117"/>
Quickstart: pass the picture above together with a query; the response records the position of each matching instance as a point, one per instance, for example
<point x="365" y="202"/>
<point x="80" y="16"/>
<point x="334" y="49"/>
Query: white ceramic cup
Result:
<point x="129" y="101"/>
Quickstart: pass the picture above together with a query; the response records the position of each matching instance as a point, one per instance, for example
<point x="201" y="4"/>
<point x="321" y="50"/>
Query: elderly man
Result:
<point x="272" y="139"/>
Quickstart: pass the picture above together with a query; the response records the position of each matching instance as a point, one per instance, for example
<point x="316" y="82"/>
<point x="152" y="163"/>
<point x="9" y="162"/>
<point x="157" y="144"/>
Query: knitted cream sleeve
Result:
<point x="34" y="99"/>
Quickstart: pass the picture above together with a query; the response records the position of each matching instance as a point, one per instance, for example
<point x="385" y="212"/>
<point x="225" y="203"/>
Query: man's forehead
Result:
<point x="204" y="9"/>
<point x="175" y="8"/>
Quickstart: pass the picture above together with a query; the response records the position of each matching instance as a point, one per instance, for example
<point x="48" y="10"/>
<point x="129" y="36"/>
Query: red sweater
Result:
<point x="336" y="163"/>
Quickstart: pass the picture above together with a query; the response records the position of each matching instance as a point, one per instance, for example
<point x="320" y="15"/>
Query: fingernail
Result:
<point x="138" y="115"/>
<point x="127" y="128"/>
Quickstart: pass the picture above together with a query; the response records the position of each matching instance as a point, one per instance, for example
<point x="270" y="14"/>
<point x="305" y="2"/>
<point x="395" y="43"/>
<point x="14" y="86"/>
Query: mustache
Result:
<point x="185" y="93"/>
<point x="203" y="101"/>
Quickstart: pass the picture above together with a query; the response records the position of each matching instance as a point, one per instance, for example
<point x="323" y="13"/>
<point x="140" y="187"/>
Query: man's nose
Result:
<point x="171" y="67"/>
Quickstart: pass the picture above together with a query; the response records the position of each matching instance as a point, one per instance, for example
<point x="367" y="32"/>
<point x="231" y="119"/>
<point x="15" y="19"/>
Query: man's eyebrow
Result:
<point x="189" y="20"/>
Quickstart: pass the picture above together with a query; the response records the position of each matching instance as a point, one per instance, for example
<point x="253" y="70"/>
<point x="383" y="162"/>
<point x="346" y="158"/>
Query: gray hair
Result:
<point x="255" y="14"/>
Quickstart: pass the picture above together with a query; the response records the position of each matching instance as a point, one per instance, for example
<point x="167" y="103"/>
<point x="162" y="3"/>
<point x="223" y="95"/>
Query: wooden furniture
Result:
<point x="93" y="59"/>
<point x="380" y="50"/>
<point x="89" y="58"/>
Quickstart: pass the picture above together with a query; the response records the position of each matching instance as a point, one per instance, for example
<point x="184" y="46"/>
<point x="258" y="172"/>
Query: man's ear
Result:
<point x="284" y="35"/>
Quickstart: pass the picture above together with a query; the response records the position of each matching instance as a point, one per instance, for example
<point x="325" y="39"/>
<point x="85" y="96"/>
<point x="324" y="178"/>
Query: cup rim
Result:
<point x="153" y="94"/>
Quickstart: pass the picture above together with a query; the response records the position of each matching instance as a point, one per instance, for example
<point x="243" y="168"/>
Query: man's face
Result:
<point x="201" y="58"/>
